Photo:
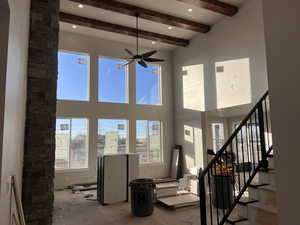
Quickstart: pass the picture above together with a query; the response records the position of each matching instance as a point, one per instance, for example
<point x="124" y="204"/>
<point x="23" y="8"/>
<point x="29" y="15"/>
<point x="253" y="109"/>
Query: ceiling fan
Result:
<point x="144" y="58"/>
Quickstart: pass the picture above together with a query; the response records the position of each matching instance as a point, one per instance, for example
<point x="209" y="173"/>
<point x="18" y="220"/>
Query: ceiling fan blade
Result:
<point x="153" y="60"/>
<point x="148" y="54"/>
<point x="126" y="64"/>
<point x="129" y="52"/>
<point x="142" y="63"/>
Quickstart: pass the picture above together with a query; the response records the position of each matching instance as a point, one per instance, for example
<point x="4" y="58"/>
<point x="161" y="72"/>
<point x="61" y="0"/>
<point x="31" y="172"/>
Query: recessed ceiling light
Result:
<point x="190" y="10"/>
<point x="80" y="6"/>
<point x="153" y="42"/>
<point x="74" y="26"/>
<point x="170" y="27"/>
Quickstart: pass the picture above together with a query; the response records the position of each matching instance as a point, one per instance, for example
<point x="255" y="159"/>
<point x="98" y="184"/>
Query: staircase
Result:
<point x="258" y="205"/>
<point x="238" y="185"/>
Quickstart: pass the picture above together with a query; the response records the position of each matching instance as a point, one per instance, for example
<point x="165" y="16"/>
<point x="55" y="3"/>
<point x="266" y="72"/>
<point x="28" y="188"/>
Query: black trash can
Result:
<point x="142" y="194"/>
<point x="222" y="191"/>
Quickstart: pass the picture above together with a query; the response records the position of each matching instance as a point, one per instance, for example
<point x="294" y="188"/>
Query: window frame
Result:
<point x="159" y="85"/>
<point x="71" y="170"/>
<point x="214" y="140"/>
<point x="161" y="161"/>
<point x="127" y="85"/>
<point x="127" y="135"/>
<point x="88" y="75"/>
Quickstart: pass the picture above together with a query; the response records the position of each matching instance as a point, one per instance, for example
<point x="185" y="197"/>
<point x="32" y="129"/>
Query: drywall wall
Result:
<point x="93" y="110"/>
<point x="4" y="25"/>
<point x="231" y="67"/>
<point x="15" y="92"/>
<point x="282" y="50"/>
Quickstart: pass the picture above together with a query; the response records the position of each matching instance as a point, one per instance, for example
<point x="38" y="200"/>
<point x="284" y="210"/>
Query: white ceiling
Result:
<point x="171" y="7"/>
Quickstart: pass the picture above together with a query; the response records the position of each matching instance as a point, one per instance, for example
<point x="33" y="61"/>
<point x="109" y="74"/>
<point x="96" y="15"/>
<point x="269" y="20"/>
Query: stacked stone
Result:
<point x="39" y="152"/>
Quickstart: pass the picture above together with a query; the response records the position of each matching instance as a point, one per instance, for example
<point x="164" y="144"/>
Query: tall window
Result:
<point x="148" y="141"/>
<point x="217" y="136"/>
<point x="112" y="136"/>
<point x="73" y="76"/>
<point x="148" y="85"/>
<point x="71" y="144"/>
<point x="113" y="82"/>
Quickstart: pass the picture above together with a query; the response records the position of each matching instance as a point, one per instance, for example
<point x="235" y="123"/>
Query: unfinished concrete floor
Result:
<point x="74" y="209"/>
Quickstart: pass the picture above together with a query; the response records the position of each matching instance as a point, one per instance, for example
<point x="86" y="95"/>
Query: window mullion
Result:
<point x="148" y="137"/>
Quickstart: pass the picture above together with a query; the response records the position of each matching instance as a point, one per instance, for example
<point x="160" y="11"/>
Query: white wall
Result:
<point x="94" y="110"/>
<point x="283" y="47"/>
<point x="15" y="101"/>
<point x="238" y="45"/>
<point x="4" y="25"/>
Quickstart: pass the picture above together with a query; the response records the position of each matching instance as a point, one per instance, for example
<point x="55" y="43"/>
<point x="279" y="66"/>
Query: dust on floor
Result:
<point x="75" y="209"/>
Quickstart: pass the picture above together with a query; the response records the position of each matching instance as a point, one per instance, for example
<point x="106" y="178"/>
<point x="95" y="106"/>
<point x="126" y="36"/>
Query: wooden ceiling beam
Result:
<point x="146" y="14"/>
<point x="214" y="5"/>
<point x="100" y="25"/>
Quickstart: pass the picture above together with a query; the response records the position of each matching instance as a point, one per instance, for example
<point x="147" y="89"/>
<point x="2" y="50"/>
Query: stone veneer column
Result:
<point x="39" y="152"/>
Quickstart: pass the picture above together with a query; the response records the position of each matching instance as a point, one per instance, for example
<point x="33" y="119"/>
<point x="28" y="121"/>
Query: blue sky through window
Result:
<point x="72" y="83"/>
<point x="112" y="81"/>
<point x="148" y="85"/>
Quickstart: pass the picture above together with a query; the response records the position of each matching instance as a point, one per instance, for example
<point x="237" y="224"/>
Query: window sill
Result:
<point x="152" y="164"/>
<point x="149" y="105"/>
<point x="71" y="170"/>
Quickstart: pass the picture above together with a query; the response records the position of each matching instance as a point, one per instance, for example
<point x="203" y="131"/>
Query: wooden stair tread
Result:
<point x="268" y="188"/>
<point x="257" y="185"/>
<point x="236" y="220"/>
<point x="269" y="208"/>
<point x="246" y="201"/>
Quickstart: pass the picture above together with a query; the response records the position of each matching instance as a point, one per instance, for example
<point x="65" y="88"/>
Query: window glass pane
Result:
<point x="62" y="138"/>
<point x="148" y="87"/>
<point x="79" y="144"/>
<point x="71" y="144"/>
<point x="72" y="83"/>
<point x="112" y="81"/>
<point x="148" y="141"/>
<point x="112" y="136"/>
<point x="218" y="136"/>
<point x="142" y="140"/>
<point x="154" y="141"/>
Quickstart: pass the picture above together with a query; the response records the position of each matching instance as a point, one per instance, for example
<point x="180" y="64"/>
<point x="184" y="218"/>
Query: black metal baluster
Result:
<point x="228" y="177"/>
<point x="247" y="141"/>
<point x="210" y="193"/>
<point x="238" y="163"/>
<point x="202" y="198"/>
<point x="262" y="136"/>
<point x="216" y="192"/>
<point x="256" y="136"/>
<point x="233" y="169"/>
<point x="252" y="142"/>
<point x="267" y="124"/>
<point x="243" y="155"/>
<point x="221" y="177"/>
